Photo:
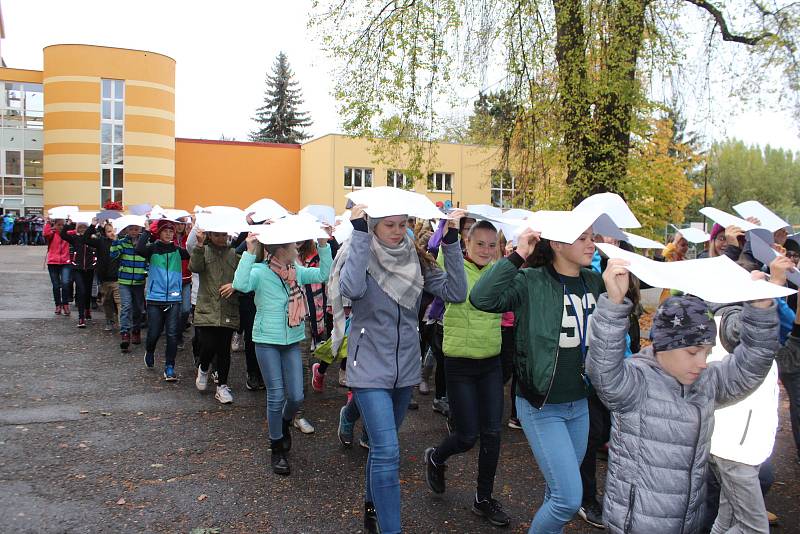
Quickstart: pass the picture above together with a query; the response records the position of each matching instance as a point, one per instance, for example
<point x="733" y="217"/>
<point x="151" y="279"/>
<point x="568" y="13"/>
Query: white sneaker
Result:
<point x="302" y="424"/>
<point x="202" y="379"/>
<point x="342" y="377"/>
<point x="223" y="394"/>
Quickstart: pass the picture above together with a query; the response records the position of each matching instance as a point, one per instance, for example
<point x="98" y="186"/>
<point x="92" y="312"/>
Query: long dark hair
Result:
<point x="542" y="254"/>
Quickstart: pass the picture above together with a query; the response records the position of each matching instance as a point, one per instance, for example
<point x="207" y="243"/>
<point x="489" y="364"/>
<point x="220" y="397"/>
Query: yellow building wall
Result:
<point x="230" y="173"/>
<point x="323" y="161"/>
<point x="72" y="96"/>
<point x="20" y="75"/>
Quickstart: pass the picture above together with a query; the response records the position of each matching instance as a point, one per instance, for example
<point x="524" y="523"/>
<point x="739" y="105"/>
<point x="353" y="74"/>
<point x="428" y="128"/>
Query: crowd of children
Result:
<point x="403" y="301"/>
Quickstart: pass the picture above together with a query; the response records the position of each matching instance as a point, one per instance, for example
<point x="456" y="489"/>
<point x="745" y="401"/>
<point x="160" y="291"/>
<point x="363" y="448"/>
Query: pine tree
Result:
<point x="279" y="119"/>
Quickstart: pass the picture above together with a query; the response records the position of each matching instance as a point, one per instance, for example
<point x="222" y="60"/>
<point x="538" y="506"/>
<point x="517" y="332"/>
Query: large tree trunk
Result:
<point x="574" y="103"/>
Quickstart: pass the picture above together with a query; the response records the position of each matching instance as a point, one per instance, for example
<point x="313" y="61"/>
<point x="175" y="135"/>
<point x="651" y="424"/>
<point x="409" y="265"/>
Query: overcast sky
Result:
<point x="224" y="49"/>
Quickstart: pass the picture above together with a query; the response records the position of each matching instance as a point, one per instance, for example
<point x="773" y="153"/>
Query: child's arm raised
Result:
<point x="618" y="385"/>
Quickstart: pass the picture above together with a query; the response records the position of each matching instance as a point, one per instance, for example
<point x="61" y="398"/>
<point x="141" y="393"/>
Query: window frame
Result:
<point x="112" y="93"/>
<point x="392" y="176"/>
<point x="364" y="171"/>
<point x="442" y="175"/>
<point x="501" y="189"/>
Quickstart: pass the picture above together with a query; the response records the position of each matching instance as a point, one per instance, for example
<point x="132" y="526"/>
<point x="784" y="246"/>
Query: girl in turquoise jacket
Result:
<point x="273" y="273"/>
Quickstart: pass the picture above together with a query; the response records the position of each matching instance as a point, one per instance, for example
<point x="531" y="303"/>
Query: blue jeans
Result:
<point x="382" y="413"/>
<point x="163" y="315"/>
<point x="557" y="434"/>
<point x="61" y="278"/>
<point x="131" y="307"/>
<point x="282" y="371"/>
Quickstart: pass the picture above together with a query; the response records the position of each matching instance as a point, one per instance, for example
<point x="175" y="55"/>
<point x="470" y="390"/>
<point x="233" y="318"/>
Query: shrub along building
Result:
<point x="98" y="124"/>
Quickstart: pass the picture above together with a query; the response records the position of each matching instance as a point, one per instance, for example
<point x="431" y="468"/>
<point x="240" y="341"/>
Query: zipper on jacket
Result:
<point x="746" y="426"/>
<point x="552" y="378"/>
<point x="355" y="355"/>
<point x="397" y="349"/>
<point x="691" y="470"/>
<point x="631" y="504"/>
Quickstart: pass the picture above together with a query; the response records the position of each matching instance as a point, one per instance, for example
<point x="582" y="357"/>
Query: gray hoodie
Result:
<point x="661" y="430"/>
<point x="383" y="347"/>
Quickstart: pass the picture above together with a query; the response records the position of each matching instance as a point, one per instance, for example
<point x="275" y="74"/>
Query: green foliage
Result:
<point x="739" y="172"/>
<point x="279" y="119"/>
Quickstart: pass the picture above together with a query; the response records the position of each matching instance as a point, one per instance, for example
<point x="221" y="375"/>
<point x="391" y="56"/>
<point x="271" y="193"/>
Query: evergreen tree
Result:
<point x="279" y="119"/>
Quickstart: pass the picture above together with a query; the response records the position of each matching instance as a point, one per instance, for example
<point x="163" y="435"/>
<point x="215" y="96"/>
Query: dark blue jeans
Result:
<point x="163" y="316"/>
<point x="475" y="392"/>
<point x="382" y="413"/>
<point x="60" y="277"/>
<point x="131" y="307"/>
<point x="83" y="290"/>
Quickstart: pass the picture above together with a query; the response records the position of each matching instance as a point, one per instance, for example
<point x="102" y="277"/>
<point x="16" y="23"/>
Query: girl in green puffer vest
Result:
<point x="474" y="376"/>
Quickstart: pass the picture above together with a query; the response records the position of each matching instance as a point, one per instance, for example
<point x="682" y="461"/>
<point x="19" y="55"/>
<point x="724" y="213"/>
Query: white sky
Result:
<point x="224" y="49"/>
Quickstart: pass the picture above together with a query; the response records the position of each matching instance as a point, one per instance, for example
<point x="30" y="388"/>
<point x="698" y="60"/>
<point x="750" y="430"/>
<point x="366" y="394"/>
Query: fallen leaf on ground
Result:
<point x="202" y="497"/>
<point x="121" y="501"/>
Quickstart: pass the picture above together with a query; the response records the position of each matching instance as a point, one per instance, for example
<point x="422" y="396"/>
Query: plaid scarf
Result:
<point x="296" y="308"/>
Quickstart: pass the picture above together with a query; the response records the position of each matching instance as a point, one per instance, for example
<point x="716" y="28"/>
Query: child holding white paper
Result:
<point x="663" y="400"/>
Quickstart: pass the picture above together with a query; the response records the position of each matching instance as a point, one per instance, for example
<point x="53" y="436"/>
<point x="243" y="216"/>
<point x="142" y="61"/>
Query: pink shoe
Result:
<point x="65" y="309"/>
<point x="317" y="379"/>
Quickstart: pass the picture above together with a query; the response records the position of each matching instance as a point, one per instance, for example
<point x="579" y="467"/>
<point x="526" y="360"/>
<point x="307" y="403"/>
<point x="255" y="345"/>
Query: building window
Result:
<point x="440" y="182"/>
<point x="399" y="179"/>
<point x="112" y="141"/>
<point x="356" y="178"/>
<point x="503" y="189"/>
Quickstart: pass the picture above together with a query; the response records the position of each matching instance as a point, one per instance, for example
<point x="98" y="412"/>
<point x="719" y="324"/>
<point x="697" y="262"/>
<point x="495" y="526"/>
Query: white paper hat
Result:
<point x="612" y="205"/>
<point x="83" y="217"/>
<point x="225" y="219"/>
<point x="692" y="235"/>
<point x="726" y="219"/>
<point x="484" y="211"/>
<point x="168" y="214"/>
<point x="388" y="201"/>
<point x="123" y="222"/>
<point x="638" y="241"/>
<point x="768" y="218"/>
<point x="62" y="212"/>
<point x="324" y="214"/>
<point x="289" y="229"/>
<point x="567" y="226"/>
<point x="266" y="209"/>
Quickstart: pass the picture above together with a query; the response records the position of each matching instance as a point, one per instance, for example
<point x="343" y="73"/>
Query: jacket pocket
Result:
<point x="629" y="514"/>
<point x="358" y="346"/>
<point x="746" y="426"/>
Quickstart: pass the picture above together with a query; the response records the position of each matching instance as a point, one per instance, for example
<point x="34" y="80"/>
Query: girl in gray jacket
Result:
<point x="383" y="275"/>
<point x="662" y="402"/>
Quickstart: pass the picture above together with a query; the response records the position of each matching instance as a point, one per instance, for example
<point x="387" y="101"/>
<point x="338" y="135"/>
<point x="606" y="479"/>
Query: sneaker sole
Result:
<point x="515" y="427"/>
<point x="223" y="401"/>
<point x="171" y="379"/>
<point x="363" y="444"/>
<point x="480" y="513"/>
<point x="582" y="515"/>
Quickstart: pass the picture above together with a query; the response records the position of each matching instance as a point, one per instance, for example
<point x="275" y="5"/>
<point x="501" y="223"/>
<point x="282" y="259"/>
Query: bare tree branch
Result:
<point x="720" y="21"/>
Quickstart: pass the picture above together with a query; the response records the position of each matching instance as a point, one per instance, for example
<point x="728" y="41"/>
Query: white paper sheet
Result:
<point x="693" y="235"/>
<point x="517" y="213"/>
<point x="612" y="205"/>
<point x="768" y="218"/>
<point x="567" y="226"/>
<point x="123" y="222"/>
<point x="226" y="219"/>
<point x="718" y="280"/>
<point x="343" y="228"/>
<point x="638" y="241"/>
<point x="323" y="214"/>
<point x="388" y="201"/>
<point x="168" y="214"/>
<point x="83" y="217"/>
<point x="140" y="209"/>
<point x="483" y="211"/>
<point x="266" y="209"/>
<point x="726" y="219"/>
<point x="763" y="252"/>
<point x="62" y="212"/>
<point x="289" y="229"/>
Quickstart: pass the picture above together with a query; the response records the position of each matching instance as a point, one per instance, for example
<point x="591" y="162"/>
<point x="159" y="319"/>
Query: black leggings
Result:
<point x="434" y="334"/>
<point x="507" y="351"/>
<point x="215" y="341"/>
<point x="475" y="392"/>
<point x="247" y="316"/>
<point x="83" y="290"/>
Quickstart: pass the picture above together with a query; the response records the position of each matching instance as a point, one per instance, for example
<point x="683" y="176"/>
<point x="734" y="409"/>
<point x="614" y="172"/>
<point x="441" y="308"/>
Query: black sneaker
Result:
<point x="434" y="474"/>
<point x="492" y="511"/>
<point x="592" y="513"/>
<point x="254" y="383"/>
<point x="371" y="525"/>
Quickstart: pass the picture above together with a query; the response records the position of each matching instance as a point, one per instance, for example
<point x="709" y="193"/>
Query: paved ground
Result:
<point x="91" y="441"/>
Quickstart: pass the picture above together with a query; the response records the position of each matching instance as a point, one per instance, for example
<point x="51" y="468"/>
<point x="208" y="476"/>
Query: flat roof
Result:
<point x="241" y="143"/>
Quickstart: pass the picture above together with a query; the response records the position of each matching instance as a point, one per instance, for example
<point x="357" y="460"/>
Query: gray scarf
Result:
<point x="397" y="271"/>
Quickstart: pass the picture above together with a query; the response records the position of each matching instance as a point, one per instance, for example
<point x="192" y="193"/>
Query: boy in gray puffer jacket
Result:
<point x="663" y="400"/>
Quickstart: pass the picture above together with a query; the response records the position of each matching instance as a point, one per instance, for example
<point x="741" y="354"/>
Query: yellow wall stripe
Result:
<point x="150" y="125"/>
<point x="57" y="79"/>
<point x="72" y="162"/>
<point x="71" y="135"/>
<point x="149" y="112"/>
<point x="69" y="120"/>
<point x="93" y="177"/>
<point x="148" y="179"/>
<point x="150" y="85"/>
<point x="72" y="106"/>
<point x="149" y="139"/>
<point x="149" y="151"/>
<point x="73" y="148"/>
<point x="145" y="165"/>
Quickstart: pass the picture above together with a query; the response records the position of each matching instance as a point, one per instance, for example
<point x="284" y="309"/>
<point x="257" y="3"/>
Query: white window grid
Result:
<point x="440" y="182"/>
<point x="112" y="140"/>
<point x="503" y="189"/>
<point x="398" y="179"/>
<point x="357" y="177"/>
